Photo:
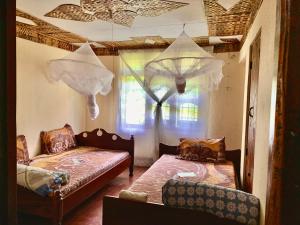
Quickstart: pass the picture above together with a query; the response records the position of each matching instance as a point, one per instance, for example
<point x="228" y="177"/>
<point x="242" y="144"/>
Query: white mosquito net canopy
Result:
<point x="84" y="72"/>
<point x="182" y="60"/>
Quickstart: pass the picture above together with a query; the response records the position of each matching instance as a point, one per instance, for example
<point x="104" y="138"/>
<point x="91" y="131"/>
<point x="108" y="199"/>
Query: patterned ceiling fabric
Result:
<point x="83" y="164"/>
<point x="221" y="22"/>
<point x="45" y="28"/>
<point x="228" y="4"/>
<point x="46" y="33"/>
<point x="116" y="11"/>
<point x="168" y="167"/>
<point x="235" y="21"/>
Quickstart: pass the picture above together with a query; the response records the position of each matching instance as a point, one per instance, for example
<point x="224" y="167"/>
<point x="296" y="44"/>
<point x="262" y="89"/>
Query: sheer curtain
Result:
<point x="157" y="113"/>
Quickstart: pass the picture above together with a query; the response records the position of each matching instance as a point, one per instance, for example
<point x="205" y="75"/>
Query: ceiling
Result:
<point x="168" y="25"/>
<point x="210" y="22"/>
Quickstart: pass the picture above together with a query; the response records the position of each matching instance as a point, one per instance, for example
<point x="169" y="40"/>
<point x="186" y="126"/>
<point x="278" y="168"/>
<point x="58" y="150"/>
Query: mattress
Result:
<point x="168" y="167"/>
<point x="82" y="163"/>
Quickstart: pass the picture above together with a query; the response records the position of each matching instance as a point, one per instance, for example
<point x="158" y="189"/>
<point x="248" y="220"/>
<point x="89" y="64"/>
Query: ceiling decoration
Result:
<point x="230" y="40"/>
<point x="121" y="12"/>
<point x="25" y="21"/>
<point x="227" y="30"/>
<point x="227" y="4"/>
<point x="236" y="21"/>
<point x="144" y="43"/>
<point x="46" y="33"/>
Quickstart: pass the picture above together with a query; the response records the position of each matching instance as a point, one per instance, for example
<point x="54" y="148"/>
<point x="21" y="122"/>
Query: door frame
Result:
<point x="280" y="204"/>
<point x="8" y="112"/>
<point x="258" y="35"/>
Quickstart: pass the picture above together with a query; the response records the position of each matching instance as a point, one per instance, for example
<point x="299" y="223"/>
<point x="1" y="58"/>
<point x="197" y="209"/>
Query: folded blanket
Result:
<point x="134" y="196"/>
<point x="41" y="181"/>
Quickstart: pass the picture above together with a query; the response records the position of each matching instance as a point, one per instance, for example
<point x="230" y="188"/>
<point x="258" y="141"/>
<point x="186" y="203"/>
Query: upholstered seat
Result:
<point x="220" y="201"/>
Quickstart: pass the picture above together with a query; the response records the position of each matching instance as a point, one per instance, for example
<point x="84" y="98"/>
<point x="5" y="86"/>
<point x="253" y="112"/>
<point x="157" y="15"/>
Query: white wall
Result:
<point x="226" y="104"/>
<point x="266" y="21"/>
<point x="42" y="105"/>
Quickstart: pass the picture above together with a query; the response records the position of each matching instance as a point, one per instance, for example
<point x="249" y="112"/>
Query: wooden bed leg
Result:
<point x="57" y="216"/>
<point x="131" y="170"/>
<point x="131" y="153"/>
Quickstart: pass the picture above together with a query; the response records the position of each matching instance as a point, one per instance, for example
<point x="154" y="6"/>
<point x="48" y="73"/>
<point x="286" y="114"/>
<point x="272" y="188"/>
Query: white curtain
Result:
<point x="157" y="114"/>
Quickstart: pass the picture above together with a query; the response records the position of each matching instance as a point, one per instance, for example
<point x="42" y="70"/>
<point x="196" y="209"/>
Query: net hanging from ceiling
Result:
<point x="84" y="72"/>
<point x="163" y="73"/>
<point x="182" y="60"/>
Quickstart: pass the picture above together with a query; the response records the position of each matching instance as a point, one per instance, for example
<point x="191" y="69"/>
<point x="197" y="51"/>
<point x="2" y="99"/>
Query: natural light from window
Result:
<point x="188" y="112"/>
<point x="133" y="102"/>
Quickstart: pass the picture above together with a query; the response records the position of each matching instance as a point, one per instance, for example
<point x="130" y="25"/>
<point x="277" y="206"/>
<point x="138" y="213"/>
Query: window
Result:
<point x="188" y="105"/>
<point x="133" y="104"/>
<point x="165" y="108"/>
<point x="188" y="112"/>
<point x="178" y="111"/>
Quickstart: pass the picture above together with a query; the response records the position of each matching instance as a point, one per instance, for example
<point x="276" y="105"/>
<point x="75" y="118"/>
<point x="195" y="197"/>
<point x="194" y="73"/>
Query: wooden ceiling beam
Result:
<point x="32" y="35"/>
<point x="106" y="52"/>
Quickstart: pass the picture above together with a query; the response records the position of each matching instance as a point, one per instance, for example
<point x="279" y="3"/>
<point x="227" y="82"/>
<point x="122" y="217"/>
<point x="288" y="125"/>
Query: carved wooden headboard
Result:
<point x="101" y="139"/>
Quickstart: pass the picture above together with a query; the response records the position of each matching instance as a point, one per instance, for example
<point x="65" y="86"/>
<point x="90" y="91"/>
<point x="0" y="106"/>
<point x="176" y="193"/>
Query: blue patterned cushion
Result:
<point x="220" y="201"/>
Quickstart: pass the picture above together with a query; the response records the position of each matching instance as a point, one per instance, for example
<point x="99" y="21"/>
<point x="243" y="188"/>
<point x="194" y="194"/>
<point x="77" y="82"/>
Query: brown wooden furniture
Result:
<point x="118" y="211"/>
<point x="56" y="207"/>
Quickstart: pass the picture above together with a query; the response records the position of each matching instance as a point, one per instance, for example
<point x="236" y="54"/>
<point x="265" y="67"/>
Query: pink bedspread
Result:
<point x="83" y="164"/>
<point x="168" y="166"/>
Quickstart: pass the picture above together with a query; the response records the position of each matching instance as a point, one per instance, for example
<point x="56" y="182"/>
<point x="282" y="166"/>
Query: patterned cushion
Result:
<point x="58" y="140"/>
<point x="203" y="150"/>
<point x="22" y="151"/>
<point x="220" y="201"/>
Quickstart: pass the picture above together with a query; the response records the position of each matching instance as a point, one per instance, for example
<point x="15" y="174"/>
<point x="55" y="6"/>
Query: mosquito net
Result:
<point x="84" y="72"/>
<point x="182" y="60"/>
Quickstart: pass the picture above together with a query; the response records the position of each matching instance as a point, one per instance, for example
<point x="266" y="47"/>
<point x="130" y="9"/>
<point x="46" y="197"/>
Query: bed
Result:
<point x="118" y="211"/>
<point x="99" y="157"/>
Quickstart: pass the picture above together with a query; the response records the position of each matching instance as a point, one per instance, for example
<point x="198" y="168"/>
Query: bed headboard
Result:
<point x="101" y="139"/>
<point x="231" y="155"/>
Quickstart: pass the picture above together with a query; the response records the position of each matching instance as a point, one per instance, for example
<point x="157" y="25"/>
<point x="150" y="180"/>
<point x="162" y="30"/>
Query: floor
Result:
<point x="90" y="212"/>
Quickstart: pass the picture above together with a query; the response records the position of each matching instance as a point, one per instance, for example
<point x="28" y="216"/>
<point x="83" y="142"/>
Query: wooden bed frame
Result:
<point x="118" y="211"/>
<point x="56" y="207"/>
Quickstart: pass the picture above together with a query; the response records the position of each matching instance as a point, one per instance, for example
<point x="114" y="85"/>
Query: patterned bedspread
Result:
<point x="168" y="166"/>
<point x="83" y="164"/>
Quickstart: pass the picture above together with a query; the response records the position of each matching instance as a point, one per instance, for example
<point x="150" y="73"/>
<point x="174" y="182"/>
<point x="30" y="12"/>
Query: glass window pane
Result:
<point x="188" y="112"/>
<point x="133" y="98"/>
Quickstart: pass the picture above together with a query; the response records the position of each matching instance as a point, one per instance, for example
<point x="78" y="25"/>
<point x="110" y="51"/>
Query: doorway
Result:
<point x="8" y="112"/>
<point x="251" y="113"/>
